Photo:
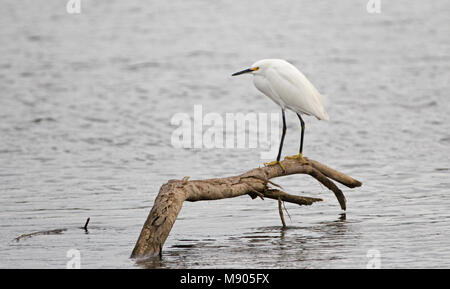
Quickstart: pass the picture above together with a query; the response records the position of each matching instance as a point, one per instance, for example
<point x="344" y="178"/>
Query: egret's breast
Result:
<point x="263" y="85"/>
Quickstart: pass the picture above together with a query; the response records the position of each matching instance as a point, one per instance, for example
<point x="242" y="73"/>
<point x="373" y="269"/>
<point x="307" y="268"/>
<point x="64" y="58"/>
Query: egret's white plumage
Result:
<point x="288" y="87"/>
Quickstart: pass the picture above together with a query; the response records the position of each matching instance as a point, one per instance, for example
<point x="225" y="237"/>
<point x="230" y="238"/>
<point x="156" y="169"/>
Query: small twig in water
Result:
<point x="85" y="225"/>
<point x="284" y="206"/>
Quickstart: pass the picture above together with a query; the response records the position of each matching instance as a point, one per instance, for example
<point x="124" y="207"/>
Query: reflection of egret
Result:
<point x="290" y="89"/>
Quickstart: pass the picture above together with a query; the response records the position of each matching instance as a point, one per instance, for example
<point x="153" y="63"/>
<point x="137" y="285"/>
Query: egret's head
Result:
<point x="260" y="66"/>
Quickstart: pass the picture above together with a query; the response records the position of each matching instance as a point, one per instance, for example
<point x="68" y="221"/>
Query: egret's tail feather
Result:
<point x="324" y="116"/>
<point x="324" y="101"/>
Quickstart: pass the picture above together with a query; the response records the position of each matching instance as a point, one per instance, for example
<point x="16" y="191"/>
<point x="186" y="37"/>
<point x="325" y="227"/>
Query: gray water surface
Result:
<point x="86" y="102"/>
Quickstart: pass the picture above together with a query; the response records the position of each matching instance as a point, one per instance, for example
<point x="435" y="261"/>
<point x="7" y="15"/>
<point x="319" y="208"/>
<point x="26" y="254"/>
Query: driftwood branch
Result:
<point x="50" y="232"/>
<point x="254" y="183"/>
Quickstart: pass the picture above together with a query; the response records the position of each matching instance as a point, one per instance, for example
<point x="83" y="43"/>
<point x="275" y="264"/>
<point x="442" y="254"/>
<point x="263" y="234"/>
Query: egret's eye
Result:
<point x="254" y="68"/>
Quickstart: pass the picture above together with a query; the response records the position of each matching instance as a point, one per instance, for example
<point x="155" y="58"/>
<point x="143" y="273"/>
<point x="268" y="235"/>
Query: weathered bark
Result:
<point x="255" y="182"/>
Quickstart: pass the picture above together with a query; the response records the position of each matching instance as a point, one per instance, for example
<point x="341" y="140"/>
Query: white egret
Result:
<point x="290" y="89"/>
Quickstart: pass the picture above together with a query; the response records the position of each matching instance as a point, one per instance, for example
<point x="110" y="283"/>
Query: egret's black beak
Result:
<point x="243" y="71"/>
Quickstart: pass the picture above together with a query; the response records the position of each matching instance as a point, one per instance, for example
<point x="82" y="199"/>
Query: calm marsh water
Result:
<point x="86" y="102"/>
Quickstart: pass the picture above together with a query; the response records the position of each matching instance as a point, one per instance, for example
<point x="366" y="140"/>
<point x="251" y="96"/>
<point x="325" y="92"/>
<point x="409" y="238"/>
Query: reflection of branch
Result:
<point x="254" y="183"/>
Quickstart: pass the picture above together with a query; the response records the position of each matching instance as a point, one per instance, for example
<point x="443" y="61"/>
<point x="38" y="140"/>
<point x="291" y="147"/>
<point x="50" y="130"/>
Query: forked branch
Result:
<point x="254" y="183"/>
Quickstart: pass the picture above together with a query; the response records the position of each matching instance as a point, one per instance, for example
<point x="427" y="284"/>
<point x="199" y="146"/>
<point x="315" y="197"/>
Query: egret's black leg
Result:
<point x="300" y="155"/>
<point x="303" y="133"/>
<point x="281" y="145"/>
<point x="282" y="136"/>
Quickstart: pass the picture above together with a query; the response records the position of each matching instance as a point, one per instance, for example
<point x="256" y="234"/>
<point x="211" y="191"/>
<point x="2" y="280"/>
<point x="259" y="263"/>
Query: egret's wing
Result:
<point x="296" y="91"/>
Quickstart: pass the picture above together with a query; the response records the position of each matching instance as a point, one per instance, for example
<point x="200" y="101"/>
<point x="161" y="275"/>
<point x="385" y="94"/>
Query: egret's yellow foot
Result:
<point x="299" y="157"/>
<point x="276" y="163"/>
